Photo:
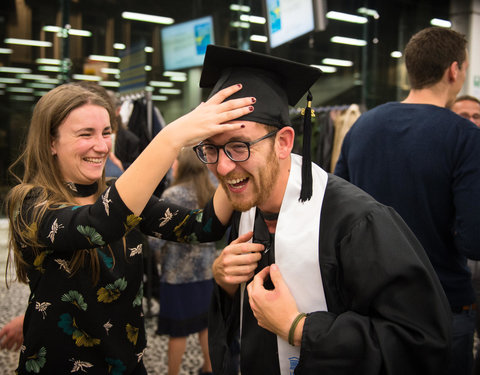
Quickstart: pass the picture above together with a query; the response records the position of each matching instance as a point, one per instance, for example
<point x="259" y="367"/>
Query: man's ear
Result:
<point x="452" y="72"/>
<point x="284" y="142"/>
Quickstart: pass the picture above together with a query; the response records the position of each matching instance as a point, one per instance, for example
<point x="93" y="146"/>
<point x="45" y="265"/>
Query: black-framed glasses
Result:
<point x="235" y="150"/>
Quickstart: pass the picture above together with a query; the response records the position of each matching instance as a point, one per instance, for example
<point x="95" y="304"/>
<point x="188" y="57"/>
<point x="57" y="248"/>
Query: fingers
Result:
<point x="220" y="96"/>
<point x="276" y="276"/>
<point x="259" y="279"/>
<point x="243" y="238"/>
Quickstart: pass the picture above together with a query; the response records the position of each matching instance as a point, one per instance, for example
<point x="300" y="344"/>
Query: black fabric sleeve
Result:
<point x="172" y="222"/>
<point x="396" y="319"/>
<point x="70" y="228"/>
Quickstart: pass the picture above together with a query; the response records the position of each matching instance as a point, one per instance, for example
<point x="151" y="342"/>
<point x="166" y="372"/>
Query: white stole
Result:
<point x="296" y="245"/>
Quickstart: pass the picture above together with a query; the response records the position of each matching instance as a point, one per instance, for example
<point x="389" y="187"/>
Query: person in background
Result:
<point x="468" y="107"/>
<point x="337" y="283"/>
<point x="423" y="160"/>
<point x="186" y="280"/>
<point x="76" y="240"/>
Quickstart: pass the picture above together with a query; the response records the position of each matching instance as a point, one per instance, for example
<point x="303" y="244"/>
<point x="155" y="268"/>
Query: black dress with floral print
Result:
<point x="73" y="325"/>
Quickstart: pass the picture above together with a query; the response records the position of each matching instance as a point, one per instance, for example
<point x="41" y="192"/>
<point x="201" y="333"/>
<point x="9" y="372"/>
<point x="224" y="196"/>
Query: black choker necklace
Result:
<point x="270" y="216"/>
<point x="80" y="190"/>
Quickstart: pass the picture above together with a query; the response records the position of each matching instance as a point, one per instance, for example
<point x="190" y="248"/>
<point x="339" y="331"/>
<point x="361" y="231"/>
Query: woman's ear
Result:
<point x="284" y="142"/>
<point x="52" y="147"/>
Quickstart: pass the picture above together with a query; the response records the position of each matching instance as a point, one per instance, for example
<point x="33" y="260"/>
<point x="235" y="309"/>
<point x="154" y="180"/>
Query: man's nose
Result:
<point x="224" y="164"/>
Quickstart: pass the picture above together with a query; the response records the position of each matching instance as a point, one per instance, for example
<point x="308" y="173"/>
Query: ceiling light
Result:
<point x="6" y="50"/>
<point x="147" y="18"/>
<point x="441" y="23"/>
<point x="148" y="68"/>
<point x="54" y="81"/>
<point x="396" y="54"/>
<point x="369" y="12"/>
<point x="39" y="93"/>
<point x="240" y="8"/>
<point x="24" y="90"/>
<point x="253" y="19"/>
<point x="10" y="80"/>
<point x="49" y="68"/>
<point x="148" y="49"/>
<point x="119" y="46"/>
<point x="109" y="83"/>
<point x="238" y="24"/>
<point x="178" y="78"/>
<point x="161" y="84"/>
<point x="8" y="69"/>
<point x="258" y="38"/>
<point x="28" y="42"/>
<point x="58" y="29"/>
<point x="171" y="73"/>
<point x="170" y="91"/>
<point x="110" y="71"/>
<point x="37" y="85"/>
<point x="112" y="59"/>
<point x="86" y="77"/>
<point x="337" y="62"/>
<point x="325" y="68"/>
<point x="161" y="98"/>
<point x="22" y="98"/>
<point x="349" y="41"/>
<point x="49" y="61"/>
<point x="2" y="85"/>
<point x="32" y="76"/>
<point x="339" y="16"/>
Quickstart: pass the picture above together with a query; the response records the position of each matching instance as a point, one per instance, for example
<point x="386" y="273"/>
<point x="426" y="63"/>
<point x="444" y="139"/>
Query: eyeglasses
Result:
<point x="235" y="150"/>
<point x="474" y="117"/>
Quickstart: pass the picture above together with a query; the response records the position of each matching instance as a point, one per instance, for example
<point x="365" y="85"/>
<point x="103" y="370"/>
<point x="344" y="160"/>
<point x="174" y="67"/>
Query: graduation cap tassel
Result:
<point x="306" y="190"/>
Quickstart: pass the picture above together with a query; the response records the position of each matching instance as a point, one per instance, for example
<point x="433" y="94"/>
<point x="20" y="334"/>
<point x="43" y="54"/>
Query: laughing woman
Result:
<point x="77" y="241"/>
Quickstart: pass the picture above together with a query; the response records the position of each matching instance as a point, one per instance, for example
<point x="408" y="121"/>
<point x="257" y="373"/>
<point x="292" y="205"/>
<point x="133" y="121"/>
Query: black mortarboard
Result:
<point x="276" y="83"/>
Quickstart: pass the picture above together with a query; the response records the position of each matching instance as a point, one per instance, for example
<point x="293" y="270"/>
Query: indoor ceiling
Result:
<point x="27" y="19"/>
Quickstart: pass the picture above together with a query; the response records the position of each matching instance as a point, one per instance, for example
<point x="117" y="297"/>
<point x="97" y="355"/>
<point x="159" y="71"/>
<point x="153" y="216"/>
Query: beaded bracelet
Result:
<point x="291" y="333"/>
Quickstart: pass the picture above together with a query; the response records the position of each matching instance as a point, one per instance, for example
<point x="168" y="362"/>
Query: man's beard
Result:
<point x="262" y="186"/>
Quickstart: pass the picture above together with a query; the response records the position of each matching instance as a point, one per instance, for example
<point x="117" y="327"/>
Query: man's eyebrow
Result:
<point x="233" y="139"/>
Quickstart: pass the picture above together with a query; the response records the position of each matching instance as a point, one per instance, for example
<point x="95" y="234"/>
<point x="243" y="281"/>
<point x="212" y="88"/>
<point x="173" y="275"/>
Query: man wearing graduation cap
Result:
<point x="341" y="284"/>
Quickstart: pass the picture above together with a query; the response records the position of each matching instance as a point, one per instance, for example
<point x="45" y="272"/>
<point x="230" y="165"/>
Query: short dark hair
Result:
<point x="430" y="52"/>
<point x="467" y="97"/>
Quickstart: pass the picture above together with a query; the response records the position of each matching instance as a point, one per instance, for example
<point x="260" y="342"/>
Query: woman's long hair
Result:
<point x="41" y="172"/>
<point x="190" y="170"/>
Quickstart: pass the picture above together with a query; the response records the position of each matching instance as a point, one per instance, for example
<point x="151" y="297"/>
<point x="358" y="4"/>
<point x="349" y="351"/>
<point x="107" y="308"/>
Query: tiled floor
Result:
<point x="13" y="300"/>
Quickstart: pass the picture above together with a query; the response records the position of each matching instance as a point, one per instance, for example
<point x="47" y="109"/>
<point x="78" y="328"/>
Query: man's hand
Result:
<point x="11" y="335"/>
<point x="274" y="309"/>
<point x="236" y="263"/>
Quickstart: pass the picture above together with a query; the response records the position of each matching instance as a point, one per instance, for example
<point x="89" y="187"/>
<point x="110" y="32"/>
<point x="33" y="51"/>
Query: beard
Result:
<point x="262" y="185"/>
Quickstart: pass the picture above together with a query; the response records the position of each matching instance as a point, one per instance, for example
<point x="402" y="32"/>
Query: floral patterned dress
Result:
<point x="73" y="325"/>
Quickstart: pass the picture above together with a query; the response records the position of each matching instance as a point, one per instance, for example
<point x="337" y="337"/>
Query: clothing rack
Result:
<point x="137" y="95"/>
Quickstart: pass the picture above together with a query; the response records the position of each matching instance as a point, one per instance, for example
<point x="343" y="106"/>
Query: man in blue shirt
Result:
<point x="423" y="160"/>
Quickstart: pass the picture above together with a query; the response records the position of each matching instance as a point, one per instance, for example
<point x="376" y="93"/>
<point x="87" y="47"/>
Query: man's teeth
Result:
<point x="235" y="181"/>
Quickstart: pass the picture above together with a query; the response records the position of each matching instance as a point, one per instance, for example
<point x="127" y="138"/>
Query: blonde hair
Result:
<point x="190" y="170"/>
<point x="42" y="182"/>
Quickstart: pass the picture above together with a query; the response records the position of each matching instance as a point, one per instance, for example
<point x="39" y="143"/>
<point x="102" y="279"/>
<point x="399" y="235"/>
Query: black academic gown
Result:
<point x="387" y="312"/>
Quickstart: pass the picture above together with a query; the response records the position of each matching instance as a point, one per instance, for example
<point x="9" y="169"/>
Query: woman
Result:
<point x="186" y="280"/>
<point x="76" y="241"/>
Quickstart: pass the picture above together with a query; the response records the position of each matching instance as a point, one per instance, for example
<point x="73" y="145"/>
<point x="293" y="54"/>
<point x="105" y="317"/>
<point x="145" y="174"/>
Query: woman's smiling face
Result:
<point x="82" y="144"/>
